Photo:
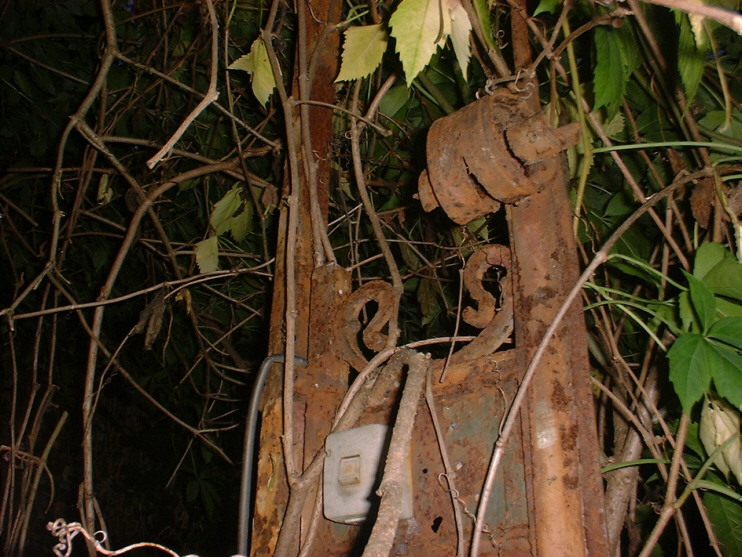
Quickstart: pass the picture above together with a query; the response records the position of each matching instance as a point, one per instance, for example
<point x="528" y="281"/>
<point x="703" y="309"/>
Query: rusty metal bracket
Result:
<point x="495" y="150"/>
<point x="349" y="325"/>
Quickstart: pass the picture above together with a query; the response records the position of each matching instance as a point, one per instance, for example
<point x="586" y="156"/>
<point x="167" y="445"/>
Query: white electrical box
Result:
<point x="354" y="466"/>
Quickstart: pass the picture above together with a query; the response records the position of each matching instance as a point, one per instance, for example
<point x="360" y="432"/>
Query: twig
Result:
<point x="391" y="488"/>
<point x="211" y="95"/>
<point x="450" y="472"/>
<point x="355" y="141"/>
<point x="730" y="19"/>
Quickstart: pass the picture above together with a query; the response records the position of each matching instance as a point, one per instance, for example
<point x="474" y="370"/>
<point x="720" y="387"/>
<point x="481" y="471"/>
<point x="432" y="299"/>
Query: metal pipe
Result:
<point x="248" y="455"/>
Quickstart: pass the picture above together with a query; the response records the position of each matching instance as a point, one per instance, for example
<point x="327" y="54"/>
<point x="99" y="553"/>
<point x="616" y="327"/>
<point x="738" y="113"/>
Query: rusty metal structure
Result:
<point x="548" y="498"/>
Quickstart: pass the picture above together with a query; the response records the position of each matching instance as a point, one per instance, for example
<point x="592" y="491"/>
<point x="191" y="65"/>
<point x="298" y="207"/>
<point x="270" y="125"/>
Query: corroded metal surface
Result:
<point x="495" y="150"/>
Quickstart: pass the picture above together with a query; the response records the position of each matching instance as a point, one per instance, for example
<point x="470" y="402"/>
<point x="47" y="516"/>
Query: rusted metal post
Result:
<point x="567" y="490"/>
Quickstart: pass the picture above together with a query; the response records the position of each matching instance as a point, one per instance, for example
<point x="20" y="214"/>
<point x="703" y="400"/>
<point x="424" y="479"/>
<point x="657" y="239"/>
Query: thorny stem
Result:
<point x="599" y="259"/>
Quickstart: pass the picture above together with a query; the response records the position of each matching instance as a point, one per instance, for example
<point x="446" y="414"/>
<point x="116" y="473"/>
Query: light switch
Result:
<point x="353" y="471"/>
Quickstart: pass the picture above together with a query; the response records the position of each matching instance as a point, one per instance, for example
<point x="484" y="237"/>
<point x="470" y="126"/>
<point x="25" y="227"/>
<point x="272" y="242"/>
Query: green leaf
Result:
<point x="192" y="491"/>
<point x="482" y="9"/>
<point x="703" y="302"/>
<point x="726" y="370"/>
<point x="363" y="49"/>
<point x="691" y="57"/>
<point x="224" y="209"/>
<point x="415" y="43"/>
<point x="707" y="257"/>
<point x="726" y="516"/>
<point x="728" y="330"/>
<point x="725" y="277"/>
<point x="240" y="223"/>
<point x="460" y="33"/>
<point x="256" y="64"/>
<point x="547" y="6"/>
<point x="207" y="254"/>
<point x="394" y="100"/>
<point x="608" y="80"/>
<point x="691" y="358"/>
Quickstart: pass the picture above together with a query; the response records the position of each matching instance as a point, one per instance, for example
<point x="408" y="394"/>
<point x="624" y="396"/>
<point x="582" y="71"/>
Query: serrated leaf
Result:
<point x="691" y="358"/>
<point x="207" y="254"/>
<point x="726" y="516"/>
<point x="363" y="49"/>
<point x="224" y="209"/>
<point x="703" y="302"/>
<point x="728" y="330"/>
<point x="691" y="57"/>
<point x="256" y="64"/>
<point x="616" y="125"/>
<point x="415" y="43"/>
<point x="726" y="371"/>
<point x="608" y="79"/>
<point x="707" y="257"/>
<point x="725" y="278"/>
<point x="460" y="33"/>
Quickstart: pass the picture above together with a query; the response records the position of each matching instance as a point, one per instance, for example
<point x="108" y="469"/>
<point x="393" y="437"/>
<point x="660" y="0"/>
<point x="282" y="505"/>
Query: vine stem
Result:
<point x="391" y="488"/>
<point x="726" y="17"/>
<point x="211" y="95"/>
<point x="599" y="259"/>
<point x="355" y="142"/>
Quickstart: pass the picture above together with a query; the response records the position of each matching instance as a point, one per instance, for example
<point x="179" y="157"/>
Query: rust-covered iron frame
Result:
<point x="548" y="497"/>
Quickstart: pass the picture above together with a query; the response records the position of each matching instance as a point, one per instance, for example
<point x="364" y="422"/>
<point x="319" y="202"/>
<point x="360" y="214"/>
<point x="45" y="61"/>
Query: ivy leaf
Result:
<point x="416" y="43"/>
<point x="691" y="358"/>
<point x="460" y="32"/>
<point x="256" y="64"/>
<point x="207" y="255"/>
<point x="703" y="302"/>
<point x="691" y="56"/>
<point x="608" y="79"/>
<point x="726" y="516"/>
<point x="363" y="49"/>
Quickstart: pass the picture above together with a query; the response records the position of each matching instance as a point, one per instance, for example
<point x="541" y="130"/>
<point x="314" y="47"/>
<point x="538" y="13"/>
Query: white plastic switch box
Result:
<point x="353" y="470"/>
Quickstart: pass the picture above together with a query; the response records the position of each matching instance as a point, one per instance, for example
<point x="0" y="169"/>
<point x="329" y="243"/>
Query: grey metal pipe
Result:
<point x="243" y="534"/>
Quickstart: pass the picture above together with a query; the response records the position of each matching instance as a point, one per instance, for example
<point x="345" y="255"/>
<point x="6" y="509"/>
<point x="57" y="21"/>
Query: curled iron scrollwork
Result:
<point x="373" y="336"/>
